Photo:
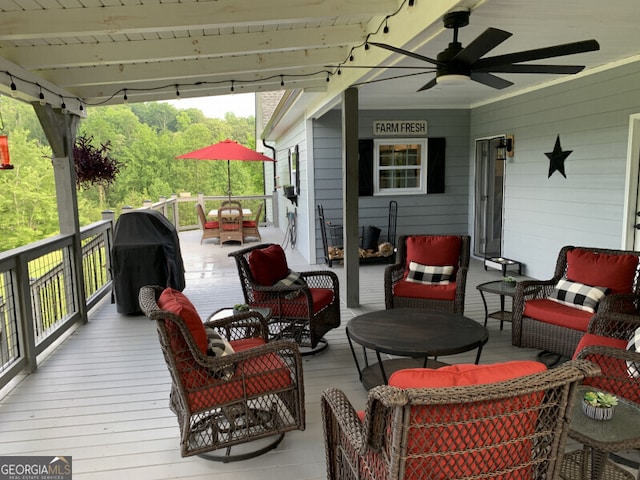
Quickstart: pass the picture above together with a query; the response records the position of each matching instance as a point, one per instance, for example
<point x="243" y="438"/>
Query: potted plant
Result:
<point x="509" y="281"/>
<point x="94" y="165"/>
<point x="599" y="405"/>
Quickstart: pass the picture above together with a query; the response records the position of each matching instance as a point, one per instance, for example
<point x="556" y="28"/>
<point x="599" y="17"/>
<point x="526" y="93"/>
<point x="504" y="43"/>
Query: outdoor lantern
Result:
<point x="4" y="153"/>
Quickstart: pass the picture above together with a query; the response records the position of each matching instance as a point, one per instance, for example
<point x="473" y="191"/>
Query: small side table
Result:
<point x="504" y="264"/>
<point x="503" y="289"/>
<point x="600" y="438"/>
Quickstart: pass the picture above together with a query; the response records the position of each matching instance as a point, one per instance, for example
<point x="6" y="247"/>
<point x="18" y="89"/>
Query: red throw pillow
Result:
<point x="437" y="250"/>
<point x="177" y="303"/>
<point x="616" y="272"/>
<point x="268" y="265"/>
<point x="464" y="374"/>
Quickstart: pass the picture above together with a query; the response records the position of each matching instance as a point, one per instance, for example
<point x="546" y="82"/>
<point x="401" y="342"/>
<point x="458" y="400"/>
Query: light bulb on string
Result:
<point x="386" y="26"/>
<point x="14" y="89"/>
<point x="125" y="98"/>
<point x="177" y="91"/>
<point x="63" y="106"/>
<point x="232" y="87"/>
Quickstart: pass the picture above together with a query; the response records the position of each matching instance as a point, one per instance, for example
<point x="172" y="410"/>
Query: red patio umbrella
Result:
<point x="227" y="150"/>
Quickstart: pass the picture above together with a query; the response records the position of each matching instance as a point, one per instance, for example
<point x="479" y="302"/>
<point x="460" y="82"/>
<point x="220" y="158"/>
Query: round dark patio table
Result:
<point x="414" y="333"/>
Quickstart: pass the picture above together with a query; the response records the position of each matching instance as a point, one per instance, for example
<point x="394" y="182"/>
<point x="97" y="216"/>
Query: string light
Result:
<point x="63" y="106"/>
<point x="384" y="26"/>
<point x="41" y="97"/>
<point x="14" y="89"/>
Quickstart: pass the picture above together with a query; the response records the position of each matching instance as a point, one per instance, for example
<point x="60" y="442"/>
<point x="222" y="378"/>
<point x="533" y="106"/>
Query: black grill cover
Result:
<point x="146" y="251"/>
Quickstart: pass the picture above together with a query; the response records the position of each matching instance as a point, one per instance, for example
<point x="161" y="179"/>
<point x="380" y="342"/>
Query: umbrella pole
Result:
<point x="229" y="179"/>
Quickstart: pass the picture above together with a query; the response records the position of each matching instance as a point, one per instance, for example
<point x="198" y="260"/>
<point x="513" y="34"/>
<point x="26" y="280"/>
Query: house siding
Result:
<point x="541" y="214"/>
<point x="424" y="213"/>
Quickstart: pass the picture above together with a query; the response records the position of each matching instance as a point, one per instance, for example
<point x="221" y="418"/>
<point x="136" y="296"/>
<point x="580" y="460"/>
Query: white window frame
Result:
<point x="422" y="187"/>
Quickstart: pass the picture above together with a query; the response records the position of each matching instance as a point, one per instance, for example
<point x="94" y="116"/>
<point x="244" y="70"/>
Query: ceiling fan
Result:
<point x="456" y="63"/>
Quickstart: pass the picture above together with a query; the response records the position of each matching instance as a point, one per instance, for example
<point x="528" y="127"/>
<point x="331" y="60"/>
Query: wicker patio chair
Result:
<point x="432" y="251"/>
<point x="556" y="336"/>
<point x="210" y="229"/>
<point x="230" y="220"/>
<point x="304" y="312"/>
<point x="512" y="429"/>
<point x="240" y="402"/>
<point x="605" y="345"/>
<point x="250" y="228"/>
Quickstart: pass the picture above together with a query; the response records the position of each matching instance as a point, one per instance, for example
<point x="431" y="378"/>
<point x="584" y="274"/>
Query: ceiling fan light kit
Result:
<point x="457" y="64"/>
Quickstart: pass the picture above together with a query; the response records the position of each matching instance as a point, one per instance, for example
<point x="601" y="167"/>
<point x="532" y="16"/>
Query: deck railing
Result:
<point x="39" y="300"/>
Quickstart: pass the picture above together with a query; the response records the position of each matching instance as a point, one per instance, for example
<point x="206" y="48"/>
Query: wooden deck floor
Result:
<point x="102" y="396"/>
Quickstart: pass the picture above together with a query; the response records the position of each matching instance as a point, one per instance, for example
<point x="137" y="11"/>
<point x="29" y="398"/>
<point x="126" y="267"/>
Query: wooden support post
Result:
<point x="60" y="130"/>
<point x="350" y="195"/>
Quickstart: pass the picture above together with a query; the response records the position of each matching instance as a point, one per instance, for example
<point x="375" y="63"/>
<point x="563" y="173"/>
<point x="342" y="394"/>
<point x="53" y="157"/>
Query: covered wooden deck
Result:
<point x="101" y="397"/>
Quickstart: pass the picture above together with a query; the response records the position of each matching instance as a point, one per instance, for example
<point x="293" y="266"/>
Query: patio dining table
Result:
<point x="245" y="212"/>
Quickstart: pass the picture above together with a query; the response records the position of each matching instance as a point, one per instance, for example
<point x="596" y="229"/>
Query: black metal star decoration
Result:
<point x="557" y="158"/>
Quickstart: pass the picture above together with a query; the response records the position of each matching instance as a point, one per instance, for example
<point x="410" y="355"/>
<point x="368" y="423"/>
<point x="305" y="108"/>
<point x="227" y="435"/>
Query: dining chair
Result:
<point x="210" y="228"/>
<point x="230" y="221"/>
<point x="250" y="227"/>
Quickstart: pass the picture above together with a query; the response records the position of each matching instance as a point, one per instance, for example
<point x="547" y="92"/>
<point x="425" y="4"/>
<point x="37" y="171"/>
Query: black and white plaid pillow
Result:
<point x="294" y="278"/>
<point x="429" y="274"/>
<point x="634" y="346"/>
<point x="578" y="295"/>
<point x="218" y="346"/>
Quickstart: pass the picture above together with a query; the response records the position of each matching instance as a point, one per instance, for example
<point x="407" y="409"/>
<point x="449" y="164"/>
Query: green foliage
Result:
<point x="600" y="399"/>
<point x="144" y="138"/>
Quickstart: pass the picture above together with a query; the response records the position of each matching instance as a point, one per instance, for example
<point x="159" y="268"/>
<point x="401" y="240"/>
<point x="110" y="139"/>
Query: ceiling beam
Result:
<point x="193" y="70"/>
<point x="99" y="53"/>
<point x="76" y="22"/>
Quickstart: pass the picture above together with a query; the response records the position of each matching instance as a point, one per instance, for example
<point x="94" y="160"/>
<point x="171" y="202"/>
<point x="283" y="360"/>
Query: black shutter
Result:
<point x="365" y="167"/>
<point x="435" y="164"/>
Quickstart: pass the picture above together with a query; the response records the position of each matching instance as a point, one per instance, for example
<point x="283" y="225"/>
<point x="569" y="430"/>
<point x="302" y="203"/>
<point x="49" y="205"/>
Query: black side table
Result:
<point x="503" y="289"/>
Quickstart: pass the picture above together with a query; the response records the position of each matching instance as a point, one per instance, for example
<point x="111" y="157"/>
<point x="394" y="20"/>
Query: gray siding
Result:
<point x="591" y="115"/>
<point x="432" y="213"/>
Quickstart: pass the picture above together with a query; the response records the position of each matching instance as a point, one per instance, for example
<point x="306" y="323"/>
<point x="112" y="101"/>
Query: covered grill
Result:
<point x="146" y="251"/>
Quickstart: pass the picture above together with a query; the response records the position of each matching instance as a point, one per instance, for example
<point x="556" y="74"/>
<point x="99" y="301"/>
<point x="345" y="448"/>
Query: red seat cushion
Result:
<point x="253" y="377"/>
<point x="589" y="339"/>
<point x="177" y="303"/>
<point x="419" y="290"/>
<point x="616" y="272"/>
<point x="296" y="307"/>
<point x="268" y="265"/>
<point x="249" y="223"/>
<point x="448" y="434"/>
<point x="211" y="224"/>
<point x="464" y="374"/>
<point x="558" y="314"/>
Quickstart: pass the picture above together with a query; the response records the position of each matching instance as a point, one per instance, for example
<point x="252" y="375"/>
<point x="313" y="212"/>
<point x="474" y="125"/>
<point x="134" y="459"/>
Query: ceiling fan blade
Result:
<point x="486" y="41"/>
<point x="388" y="78"/>
<point x="432" y="83"/>
<point x="405" y="52"/>
<point x="490" y="80"/>
<point x="537" y="54"/>
<point x="560" y="69"/>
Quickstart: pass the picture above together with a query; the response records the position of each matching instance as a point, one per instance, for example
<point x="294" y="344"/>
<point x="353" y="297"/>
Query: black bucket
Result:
<point x="370" y="238"/>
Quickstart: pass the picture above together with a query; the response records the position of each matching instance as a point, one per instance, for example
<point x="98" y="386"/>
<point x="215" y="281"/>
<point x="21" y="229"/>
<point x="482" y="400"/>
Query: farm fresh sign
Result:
<point x="397" y="128"/>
